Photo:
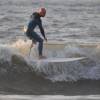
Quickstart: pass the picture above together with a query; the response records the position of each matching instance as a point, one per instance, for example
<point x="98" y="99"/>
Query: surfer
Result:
<point x="35" y="20"/>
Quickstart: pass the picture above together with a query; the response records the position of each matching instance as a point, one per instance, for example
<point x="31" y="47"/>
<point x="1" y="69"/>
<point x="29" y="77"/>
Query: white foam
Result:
<point x="49" y="97"/>
<point x="6" y="52"/>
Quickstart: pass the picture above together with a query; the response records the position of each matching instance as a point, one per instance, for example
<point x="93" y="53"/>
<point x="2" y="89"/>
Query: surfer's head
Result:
<point x="42" y="12"/>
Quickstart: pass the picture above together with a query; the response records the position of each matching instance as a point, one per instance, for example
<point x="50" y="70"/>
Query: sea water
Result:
<point x="74" y="26"/>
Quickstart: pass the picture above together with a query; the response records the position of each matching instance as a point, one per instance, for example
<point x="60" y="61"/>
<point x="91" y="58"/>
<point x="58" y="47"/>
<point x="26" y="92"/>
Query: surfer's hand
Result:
<point x="45" y="39"/>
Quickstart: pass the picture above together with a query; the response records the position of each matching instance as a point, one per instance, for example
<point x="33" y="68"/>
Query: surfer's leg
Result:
<point x="37" y="38"/>
<point x="29" y="35"/>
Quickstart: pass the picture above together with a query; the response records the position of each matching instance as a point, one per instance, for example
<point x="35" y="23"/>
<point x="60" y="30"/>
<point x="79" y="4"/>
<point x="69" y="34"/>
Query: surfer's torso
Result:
<point x="34" y="21"/>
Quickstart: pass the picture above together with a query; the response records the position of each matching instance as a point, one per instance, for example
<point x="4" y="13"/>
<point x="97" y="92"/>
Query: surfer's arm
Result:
<point x="42" y="30"/>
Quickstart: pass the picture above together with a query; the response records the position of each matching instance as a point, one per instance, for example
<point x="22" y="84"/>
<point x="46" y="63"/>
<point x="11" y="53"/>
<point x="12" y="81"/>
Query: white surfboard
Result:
<point x="55" y="60"/>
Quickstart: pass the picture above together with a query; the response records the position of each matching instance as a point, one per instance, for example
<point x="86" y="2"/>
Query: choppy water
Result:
<point x="75" y="24"/>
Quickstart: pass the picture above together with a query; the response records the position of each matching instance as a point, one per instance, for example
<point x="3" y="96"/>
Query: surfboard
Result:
<point x="55" y="60"/>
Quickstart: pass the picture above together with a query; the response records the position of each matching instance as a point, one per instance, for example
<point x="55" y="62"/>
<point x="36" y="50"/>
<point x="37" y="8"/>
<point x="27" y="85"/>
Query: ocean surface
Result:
<point x="73" y="30"/>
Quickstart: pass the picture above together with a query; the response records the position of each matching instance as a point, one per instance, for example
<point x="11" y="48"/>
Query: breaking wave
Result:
<point x="15" y="59"/>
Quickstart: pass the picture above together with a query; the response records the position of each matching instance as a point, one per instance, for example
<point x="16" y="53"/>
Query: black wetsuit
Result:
<point x="36" y="21"/>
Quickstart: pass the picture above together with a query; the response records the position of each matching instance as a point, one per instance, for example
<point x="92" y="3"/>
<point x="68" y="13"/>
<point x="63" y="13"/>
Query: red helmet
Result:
<point x="42" y="12"/>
